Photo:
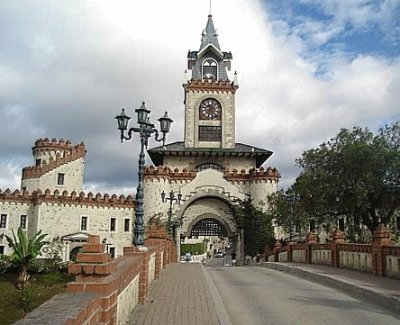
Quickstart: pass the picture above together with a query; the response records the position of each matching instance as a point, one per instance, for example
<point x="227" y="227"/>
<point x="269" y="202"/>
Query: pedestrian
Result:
<point x="188" y="257"/>
<point x="233" y="256"/>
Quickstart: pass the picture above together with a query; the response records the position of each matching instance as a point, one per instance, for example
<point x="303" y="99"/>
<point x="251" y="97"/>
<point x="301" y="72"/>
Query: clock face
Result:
<point x="210" y="109"/>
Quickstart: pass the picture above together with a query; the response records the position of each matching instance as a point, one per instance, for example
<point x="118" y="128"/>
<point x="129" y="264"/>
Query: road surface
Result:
<point x="256" y="295"/>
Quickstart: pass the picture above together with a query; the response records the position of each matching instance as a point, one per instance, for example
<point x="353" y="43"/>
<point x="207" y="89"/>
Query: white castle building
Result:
<point x="209" y="169"/>
<point x="51" y="200"/>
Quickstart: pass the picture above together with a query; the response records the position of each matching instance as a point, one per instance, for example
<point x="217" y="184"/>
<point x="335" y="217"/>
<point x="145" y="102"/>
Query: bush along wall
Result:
<point x="194" y="249"/>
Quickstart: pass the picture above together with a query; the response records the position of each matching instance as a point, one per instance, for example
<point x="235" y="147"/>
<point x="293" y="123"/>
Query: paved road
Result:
<point x="256" y="295"/>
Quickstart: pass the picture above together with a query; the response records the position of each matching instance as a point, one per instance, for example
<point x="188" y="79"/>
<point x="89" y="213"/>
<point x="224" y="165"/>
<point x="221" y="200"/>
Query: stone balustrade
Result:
<point x="381" y="257"/>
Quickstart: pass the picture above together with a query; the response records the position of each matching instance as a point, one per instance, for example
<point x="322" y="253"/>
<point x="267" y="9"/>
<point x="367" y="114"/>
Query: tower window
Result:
<point x="126" y="224"/>
<point x="210" y="69"/>
<point x="210" y="133"/>
<point x="209" y="166"/>
<point x="22" y="223"/>
<point x="84" y="223"/>
<point x="3" y="221"/>
<point x="60" y="179"/>
<point x="38" y="162"/>
<point x="113" y="222"/>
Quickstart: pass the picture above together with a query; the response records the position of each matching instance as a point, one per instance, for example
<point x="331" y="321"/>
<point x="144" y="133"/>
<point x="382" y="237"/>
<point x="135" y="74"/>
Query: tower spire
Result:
<point x="209" y="35"/>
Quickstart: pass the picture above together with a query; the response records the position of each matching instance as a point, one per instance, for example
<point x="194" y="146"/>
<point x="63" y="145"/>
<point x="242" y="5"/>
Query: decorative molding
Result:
<point x="210" y="85"/>
<point x="253" y="175"/>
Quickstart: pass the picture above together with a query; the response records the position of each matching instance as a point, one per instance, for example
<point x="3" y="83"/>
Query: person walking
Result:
<point x="188" y="257"/>
<point x="233" y="256"/>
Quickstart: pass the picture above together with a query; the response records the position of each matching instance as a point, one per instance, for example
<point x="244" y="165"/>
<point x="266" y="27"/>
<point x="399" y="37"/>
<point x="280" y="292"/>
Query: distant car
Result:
<point x="220" y="254"/>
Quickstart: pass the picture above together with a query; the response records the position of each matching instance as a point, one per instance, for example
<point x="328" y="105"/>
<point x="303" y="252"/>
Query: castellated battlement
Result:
<point x="46" y="146"/>
<point x="166" y="172"/>
<point x="82" y="199"/>
<point x="52" y="154"/>
<point x="254" y="174"/>
<point x="207" y="85"/>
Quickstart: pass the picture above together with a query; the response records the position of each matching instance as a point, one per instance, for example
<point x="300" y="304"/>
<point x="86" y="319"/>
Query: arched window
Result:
<point x="209" y="166"/>
<point x="210" y="69"/>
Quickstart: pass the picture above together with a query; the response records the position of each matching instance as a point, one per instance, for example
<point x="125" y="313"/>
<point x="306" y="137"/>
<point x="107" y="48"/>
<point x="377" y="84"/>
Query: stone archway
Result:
<point x="208" y="210"/>
<point x="208" y="226"/>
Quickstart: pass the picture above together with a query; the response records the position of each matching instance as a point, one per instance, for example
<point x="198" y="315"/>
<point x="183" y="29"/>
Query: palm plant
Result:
<point x="24" y="252"/>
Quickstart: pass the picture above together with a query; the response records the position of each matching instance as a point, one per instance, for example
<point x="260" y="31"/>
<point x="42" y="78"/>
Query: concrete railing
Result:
<point x="107" y="291"/>
<point x="381" y="257"/>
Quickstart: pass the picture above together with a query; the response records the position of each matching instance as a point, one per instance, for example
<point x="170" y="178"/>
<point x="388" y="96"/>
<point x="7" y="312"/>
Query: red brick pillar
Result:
<point x="92" y="265"/>
<point x="311" y="239"/>
<point x="143" y="269"/>
<point x="337" y="238"/>
<point x="380" y="238"/>
<point x="92" y="262"/>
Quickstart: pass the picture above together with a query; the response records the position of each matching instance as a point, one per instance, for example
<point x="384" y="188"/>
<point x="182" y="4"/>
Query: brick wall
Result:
<point x="105" y="290"/>
<point x="381" y="258"/>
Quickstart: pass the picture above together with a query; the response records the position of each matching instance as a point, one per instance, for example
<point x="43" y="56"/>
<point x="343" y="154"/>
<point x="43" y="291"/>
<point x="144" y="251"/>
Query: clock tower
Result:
<point x="208" y="170"/>
<point x="209" y="95"/>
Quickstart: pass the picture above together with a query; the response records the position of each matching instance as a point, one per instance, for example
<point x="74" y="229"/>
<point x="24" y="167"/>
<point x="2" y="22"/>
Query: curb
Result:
<point x="377" y="297"/>
<point x="222" y="314"/>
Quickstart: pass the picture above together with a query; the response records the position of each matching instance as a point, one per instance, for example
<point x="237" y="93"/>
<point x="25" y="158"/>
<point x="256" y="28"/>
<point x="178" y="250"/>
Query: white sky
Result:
<point x="68" y="67"/>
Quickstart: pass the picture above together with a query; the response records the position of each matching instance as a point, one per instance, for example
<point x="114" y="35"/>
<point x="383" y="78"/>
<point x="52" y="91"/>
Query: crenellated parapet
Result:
<point x="38" y="197"/>
<point x="42" y="145"/>
<point x="159" y="172"/>
<point x="253" y="175"/>
<point x="52" y="154"/>
<point x="207" y="85"/>
<point x="16" y="196"/>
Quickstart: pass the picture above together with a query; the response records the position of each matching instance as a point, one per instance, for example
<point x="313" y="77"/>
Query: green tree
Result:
<point x="356" y="174"/>
<point x="257" y="226"/>
<point x="289" y="212"/>
<point x="24" y="252"/>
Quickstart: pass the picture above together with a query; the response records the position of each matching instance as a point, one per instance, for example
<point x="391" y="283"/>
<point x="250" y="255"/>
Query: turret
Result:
<point x="57" y="166"/>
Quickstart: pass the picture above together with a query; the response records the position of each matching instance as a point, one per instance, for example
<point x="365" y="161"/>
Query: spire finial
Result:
<point x="210" y="6"/>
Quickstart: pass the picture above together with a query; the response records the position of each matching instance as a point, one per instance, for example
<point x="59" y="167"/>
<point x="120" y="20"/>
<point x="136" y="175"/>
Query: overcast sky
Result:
<point x="306" y="68"/>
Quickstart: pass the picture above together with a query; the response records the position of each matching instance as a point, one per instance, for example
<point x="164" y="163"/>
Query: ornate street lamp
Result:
<point x="145" y="130"/>
<point x="171" y="198"/>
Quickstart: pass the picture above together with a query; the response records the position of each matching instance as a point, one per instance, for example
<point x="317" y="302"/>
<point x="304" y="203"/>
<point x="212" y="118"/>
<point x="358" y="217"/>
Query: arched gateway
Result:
<point x="209" y="169"/>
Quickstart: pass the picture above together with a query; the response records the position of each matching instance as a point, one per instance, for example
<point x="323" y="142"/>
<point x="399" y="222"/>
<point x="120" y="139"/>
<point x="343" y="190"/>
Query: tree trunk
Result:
<point x="23" y="278"/>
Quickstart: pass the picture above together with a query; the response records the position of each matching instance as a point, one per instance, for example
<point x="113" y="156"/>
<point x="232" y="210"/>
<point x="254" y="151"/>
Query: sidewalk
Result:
<point x="382" y="291"/>
<point x="184" y="294"/>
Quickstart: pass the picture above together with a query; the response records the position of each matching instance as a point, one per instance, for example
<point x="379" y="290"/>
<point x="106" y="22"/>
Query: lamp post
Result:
<point x="171" y="198"/>
<point x="145" y="130"/>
